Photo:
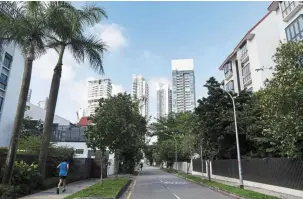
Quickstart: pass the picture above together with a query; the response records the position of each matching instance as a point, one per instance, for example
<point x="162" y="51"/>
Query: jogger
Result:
<point x="63" y="166"/>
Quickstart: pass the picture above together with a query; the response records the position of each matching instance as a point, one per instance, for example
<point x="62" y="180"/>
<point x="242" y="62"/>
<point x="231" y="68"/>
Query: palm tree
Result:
<point x="23" y="24"/>
<point x="69" y="34"/>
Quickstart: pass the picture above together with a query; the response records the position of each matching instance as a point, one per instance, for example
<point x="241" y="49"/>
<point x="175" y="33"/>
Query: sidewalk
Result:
<point x="264" y="191"/>
<point x="70" y="189"/>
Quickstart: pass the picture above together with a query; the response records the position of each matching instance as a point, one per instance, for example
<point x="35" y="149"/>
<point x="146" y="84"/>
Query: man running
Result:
<point x="63" y="166"/>
<point x="141" y="165"/>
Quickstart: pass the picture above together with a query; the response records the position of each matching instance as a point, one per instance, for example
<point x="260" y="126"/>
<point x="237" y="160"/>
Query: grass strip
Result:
<point x="108" y="189"/>
<point x="231" y="189"/>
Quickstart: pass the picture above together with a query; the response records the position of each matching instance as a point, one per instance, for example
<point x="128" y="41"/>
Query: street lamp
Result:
<point x="237" y="136"/>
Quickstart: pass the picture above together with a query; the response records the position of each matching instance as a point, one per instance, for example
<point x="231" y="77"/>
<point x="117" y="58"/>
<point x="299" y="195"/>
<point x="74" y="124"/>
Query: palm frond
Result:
<point x="90" y="48"/>
<point x="90" y="15"/>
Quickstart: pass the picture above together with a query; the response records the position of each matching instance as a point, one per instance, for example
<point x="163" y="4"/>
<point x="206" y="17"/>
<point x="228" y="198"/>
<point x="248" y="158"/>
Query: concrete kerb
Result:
<point x="120" y="193"/>
<point x="223" y="192"/>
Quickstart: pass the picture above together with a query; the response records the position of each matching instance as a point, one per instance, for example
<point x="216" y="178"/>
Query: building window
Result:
<point x="1" y="103"/>
<point x="287" y="7"/>
<point x="246" y="73"/>
<point x="3" y="78"/>
<point x="244" y="52"/>
<point x="228" y="69"/>
<point x="79" y="151"/>
<point x="7" y="60"/>
<point x="294" y="32"/>
<point x="2" y="86"/>
<point x="229" y="86"/>
<point x="250" y="89"/>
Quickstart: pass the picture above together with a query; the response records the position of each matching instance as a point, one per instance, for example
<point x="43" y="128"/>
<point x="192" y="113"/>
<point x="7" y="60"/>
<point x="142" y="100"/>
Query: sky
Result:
<point x="143" y="38"/>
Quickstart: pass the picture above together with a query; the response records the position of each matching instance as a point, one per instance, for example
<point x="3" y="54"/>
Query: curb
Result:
<point x="133" y="185"/>
<point x="120" y="193"/>
<point x="223" y="192"/>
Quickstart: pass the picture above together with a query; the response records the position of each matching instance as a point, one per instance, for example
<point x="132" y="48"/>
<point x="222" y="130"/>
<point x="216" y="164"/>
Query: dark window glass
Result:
<point x="3" y="86"/>
<point x="295" y="29"/>
<point x="79" y="151"/>
<point x="1" y="103"/>
<point x="3" y="79"/>
<point x="7" y="60"/>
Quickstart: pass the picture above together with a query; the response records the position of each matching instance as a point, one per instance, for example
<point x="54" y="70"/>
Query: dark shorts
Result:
<point x="62" y="177"/>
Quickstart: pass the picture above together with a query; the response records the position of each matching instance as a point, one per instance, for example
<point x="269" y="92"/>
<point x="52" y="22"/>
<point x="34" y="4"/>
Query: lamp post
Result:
<point x="237" y="136"/>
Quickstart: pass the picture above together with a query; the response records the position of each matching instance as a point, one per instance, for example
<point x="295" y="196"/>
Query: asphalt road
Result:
<point x="152" y="183"/>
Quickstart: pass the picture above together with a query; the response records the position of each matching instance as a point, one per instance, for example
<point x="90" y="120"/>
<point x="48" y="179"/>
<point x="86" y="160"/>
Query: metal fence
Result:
<point x="274" y="171"/>
<point x="197" y="165"/>
<point x="68" y="133"/>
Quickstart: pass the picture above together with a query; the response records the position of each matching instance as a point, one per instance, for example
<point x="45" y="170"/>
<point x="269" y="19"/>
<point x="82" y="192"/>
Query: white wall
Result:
<point x="37" y="113"/>
<point x="11" y="96"/>
<point x="76" y="145"/>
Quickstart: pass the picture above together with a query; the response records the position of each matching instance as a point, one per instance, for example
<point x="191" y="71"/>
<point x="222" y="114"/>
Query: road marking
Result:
<point x="176" y="196"/>
<point x="164" y="185"/>
<point x="131" y="191"/>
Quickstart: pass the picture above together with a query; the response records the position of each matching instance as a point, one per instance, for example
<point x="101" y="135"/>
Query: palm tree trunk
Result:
<point x="12" y="150"/>
<point x="50" y="112"/>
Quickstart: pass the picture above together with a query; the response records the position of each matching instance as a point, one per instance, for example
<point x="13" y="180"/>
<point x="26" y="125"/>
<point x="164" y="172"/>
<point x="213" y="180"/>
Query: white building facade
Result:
<point x="290" y="14"/>
<point x="97" y="89"/>
<point x="183" y="81"/>
<point x="12" y="67"/>
<point x="250" y="65"/>
<point x="140" y="92"/>
<point x="164" y="100"/>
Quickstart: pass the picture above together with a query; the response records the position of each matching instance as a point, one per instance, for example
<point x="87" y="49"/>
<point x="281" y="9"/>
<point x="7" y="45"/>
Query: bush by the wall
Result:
<point x="9" y="191"/>
<point x="26" y="179"/>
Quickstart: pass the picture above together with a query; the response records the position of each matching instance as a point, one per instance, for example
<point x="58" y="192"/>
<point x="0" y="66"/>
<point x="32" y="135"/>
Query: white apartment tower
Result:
<point x="140" y="91"/>
<point x="164" y="100"/>
<point x="183" y="78"/>
<point x="97" y="89"/>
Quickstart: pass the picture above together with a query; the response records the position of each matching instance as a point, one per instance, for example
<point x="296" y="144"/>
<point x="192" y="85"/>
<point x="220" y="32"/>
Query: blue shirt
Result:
<point x="63" y="169"/>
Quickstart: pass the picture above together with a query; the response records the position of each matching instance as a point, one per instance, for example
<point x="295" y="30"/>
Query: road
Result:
<point x="152" y="183"/>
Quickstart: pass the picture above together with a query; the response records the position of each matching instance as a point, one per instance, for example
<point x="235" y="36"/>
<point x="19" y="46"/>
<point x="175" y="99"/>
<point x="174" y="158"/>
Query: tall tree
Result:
<point x="68" y="32"/>
<point x="23" y="24"/>
<point x="119" y="127"/>
<point x="282" y="99"/>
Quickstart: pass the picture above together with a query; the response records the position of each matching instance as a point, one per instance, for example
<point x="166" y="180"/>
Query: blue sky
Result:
<point x="144" y="37"/>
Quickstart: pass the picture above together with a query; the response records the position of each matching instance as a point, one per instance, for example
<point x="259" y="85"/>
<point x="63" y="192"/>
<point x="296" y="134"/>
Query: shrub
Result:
<point x="26" y="177"/>
<point x="9" y="191"/>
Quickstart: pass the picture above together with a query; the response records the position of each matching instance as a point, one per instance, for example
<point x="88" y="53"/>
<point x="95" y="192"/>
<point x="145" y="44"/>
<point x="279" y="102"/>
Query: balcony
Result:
<point x="228" y="72"/>
<point x="290" y="8"/>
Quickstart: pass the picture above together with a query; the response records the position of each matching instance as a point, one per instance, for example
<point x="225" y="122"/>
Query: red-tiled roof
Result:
<point x="242" y="40"/>
<point x="84" y="122"/>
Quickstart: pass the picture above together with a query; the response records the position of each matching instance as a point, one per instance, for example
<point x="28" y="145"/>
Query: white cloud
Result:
<point x="117" y="89"/>
<point x="111" y="34"/>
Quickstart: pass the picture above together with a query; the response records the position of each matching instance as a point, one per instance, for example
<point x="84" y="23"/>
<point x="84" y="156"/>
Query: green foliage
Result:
<point x="26" y="179"/>
<point x="9" y="191"/>
<point x="281" y="102"/>
<point x="119" y="127"/>
<point x="31" y="145"/>
<point x="108" y="189"/>
<point x="174" y="131"/>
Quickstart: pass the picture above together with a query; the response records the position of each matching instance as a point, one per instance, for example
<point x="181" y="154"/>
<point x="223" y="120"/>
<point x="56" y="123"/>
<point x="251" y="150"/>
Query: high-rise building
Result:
<point x="183" y="78"/>
<point x="43" y="104"/>
<point x="29" y="95"/>
<point x="140" y="92"/>
<point x="164" y="100"/>
<point x="97" y="89"/>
